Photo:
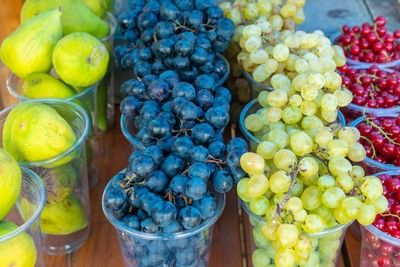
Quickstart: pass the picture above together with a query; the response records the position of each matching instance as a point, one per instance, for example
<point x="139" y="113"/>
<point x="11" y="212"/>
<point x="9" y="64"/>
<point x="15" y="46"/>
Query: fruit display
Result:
<point x="48" y="137"/>
<point x="370" y="44"/>
<point x="381" y="240"/>
<point x="380" y="141"/>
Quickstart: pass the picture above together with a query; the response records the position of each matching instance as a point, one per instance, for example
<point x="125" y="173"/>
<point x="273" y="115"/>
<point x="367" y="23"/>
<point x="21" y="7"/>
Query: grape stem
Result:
<point x="391" y="215"/>
<point x="372" y="146"/>
<point x="323" y="160"/>
<point x="385" y="135"/>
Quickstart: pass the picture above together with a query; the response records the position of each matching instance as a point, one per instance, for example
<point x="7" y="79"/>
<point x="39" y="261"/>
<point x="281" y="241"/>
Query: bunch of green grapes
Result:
<point x="302" y="181"/>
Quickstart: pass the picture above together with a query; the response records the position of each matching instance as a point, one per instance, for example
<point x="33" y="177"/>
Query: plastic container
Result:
<point x="159" y="249"/>
<point x="224" y="77"/>
<point x="25" y="239"/>
<point x="326" y="244"/>
<point x="128" y="129"/>
<point x="251" y="108"/>
<point x="353" y="111"/>
<point x="86" y="100"/>
<point x="390" y="65"/>
<point x="66" y="216"/>
<point x="372" y="166"/>
<point x="105" y="94"/>
<point x="256" y="87"/>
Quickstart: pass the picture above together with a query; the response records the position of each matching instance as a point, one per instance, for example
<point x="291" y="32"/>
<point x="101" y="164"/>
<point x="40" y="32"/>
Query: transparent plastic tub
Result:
<point x="251" y="108"/>
<point x="86" y="100"/>
<point x="326" y="244"/>
<point x="372" y="166"/>
<point x="390" y="65"/>
<point x="129" y="130"/>
<point x="256" y="87"/>
<point x="160" y="249"/>
<point x="22" y="243"/>
<point x="105" y="94"/>
<point x="65" y="221"/>
<point x="353" y="111"/>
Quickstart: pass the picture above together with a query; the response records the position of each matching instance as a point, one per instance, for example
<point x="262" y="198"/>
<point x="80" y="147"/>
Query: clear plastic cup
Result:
<point x="86" y="100"/>
<point x="372" y="166"/>
<point x="256" y="87"/>
<point x="129" y="130"/>
<point x="66" y="216"/>
<point x="251" y="108"/>
<point x="22" y="246"/>
<point x="159" y="249"/>
<point x="105" y="94"/>
<point x="225" y="76"/>
<point x="395" y="64"/>
<point x="326" y="244"/>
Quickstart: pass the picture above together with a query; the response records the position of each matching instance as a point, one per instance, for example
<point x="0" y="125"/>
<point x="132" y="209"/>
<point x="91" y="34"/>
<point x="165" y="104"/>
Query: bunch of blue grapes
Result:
<point x="183" y="35"/>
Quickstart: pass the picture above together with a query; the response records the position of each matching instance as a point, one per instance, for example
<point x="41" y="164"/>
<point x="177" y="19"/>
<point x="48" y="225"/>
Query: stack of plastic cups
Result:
<point x="186" y="248"/>
<point x="65" y="221"/>
<point x="21" y="245"/>
<point x="86" y="100"/>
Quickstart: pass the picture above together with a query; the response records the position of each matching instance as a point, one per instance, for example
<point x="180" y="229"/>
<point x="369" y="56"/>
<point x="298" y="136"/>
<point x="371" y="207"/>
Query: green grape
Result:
<point x="324" y="137"/>
<point x="259" y="240"/>
<point x="287" y="235"/>
<point x="279" y="182"/>
<point x="345" y="182"/>
<point x="372" y="187"/>
<point x="271" y="66"/>
<point x="297" y="3"/>
<point x="284" y="258"/>
<point x="312" y="122"/>
<point x="339" y="216"/>
<point x="277" y="98"/>
<point x="339" y="57"/>
<point x="264" y="6"/>
<point x="309" y="181"/>
<point x="332" y="80"/>
<point x="366" y="214"/>
<point x="279" y="137"/>
<point x="257" y="185"/>
<point x="241" y="189"/>
<point x="297" y="188"/>
<point x="287" y="88"/>
<point x="253" y="123"/>
<point x="344" y="97"/>
<point x="323" y="211"/>
<point x="251" y="30"/>
<point x="266" y="149"/>
<point x="253" y="43"/>
<point x="316" y="66"/>
<point x="294" y="204"/>
<point x="295" y="100"/>
<point x="357" y="172"/>
<point x="332" y="197"/>
<point x="300" y="215"/>
<point x="308" y="167"/>
<point x="259" y="56"/>
<point x="309" y="108"/>
<point x="309" y="92"/>
<point x="301" y="65"/>
<point x="301" y="143"/>
<point x="339" y="165"/>
<point x="329" y="102"/>
<point x="311" y="198"/>
<point x="357" y="152"/>
<point x="285" y="159"/>
<point x="292" y="41"/>
<point x="313" y="224"/>
<point x="252" y="163"/>
<point x="235" y="16"/>
<point x="242" y="56"/>
<point x="290" y="62"/>
<point x="288" y="10"/>
<point x="280" y="52"/>
<point x="271" y="212"/>
<point x="349" y="134"/>
<point x="278" y="198"/>
<point x="259" y="205"/>
<point x="380" y="204"/>
<point x="328" y="64"/>
<point x="251" y="11"/>
<point x="262" y="98"/>
<point x="277" y="80"/>
<point x="350" y="207"/>
<point x="277" y="125"/>
<point x="303" y="244"/>
<point x="329" y="116"/>
<point x="316" y="79"/>
<point x="264" y="25"/>
<point x="269" y="229"/>
<point x="338" y="148"/>
<point x="325" y="182"/>
<point x="259" y="74"/>
<point x="299" y="81"/>
<point x="260" y="258"/>
<point x="313" y="260"/>
<point x="309" y="40"/>
<point x="276" y="22"/>
<point x="292" y="115"/>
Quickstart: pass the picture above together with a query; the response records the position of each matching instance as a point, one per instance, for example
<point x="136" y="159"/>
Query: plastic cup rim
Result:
<point x="36" y="215"/>
<point x="112" y="23"/>
<point x="77" y="144"/>
<point x="163" y="236"/>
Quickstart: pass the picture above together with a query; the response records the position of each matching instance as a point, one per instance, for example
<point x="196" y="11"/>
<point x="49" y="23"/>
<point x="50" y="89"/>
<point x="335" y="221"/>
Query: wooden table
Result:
<point x="231" y="234"/>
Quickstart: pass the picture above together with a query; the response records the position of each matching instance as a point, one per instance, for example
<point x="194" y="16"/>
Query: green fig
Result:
<point x="64" y="217"/>
<point x="80" y="59"/>
<point x="76" y="17"/>
<point x="59" y="181"/>
<point x="29" y="49"/>
<point x="10" y="182"/>
<point x="17" y="251"/>
<point x="99" y="7"/>
<point x="38" y="132"/>
<point x="43" y="85"/>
